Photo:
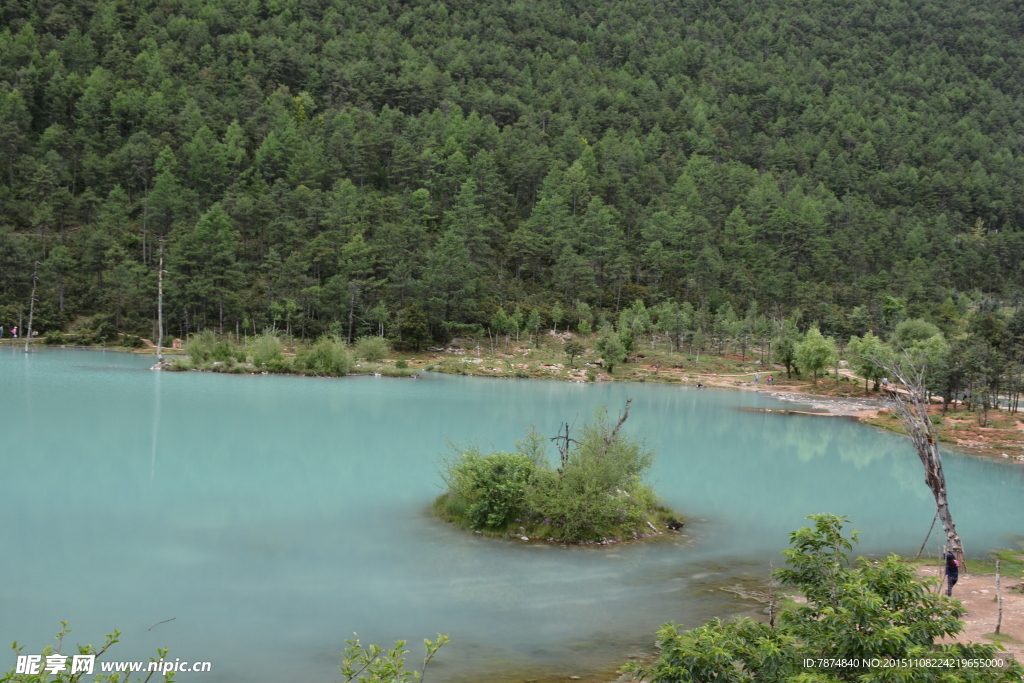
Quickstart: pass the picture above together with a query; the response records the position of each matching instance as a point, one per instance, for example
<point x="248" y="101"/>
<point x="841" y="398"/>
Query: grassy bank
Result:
<point x="267" y="354"/>
<point x="998" y="434"/>
<point x="1011" y="564"/>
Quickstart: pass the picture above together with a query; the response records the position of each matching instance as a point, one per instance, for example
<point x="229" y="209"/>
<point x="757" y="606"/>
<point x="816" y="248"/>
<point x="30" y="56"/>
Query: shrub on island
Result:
<point x="597" y="493"/>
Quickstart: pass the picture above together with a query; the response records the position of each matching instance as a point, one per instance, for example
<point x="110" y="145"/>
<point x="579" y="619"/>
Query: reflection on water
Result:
<point x="272" y="516"/>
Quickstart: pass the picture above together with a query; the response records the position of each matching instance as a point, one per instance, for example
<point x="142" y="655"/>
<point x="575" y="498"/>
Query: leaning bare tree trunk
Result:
<point x="913" y="412"/>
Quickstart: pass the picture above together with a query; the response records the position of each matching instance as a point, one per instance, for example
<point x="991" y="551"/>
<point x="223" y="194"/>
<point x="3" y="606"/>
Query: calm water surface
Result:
<point x="272" y="517"/>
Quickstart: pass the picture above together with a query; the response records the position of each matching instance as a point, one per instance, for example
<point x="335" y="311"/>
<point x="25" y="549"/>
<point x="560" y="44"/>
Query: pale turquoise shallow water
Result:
<point x="273" y="516"/>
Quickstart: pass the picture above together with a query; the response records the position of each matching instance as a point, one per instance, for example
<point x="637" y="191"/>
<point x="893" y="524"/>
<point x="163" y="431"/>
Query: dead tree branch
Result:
<point x="610" y="439"/>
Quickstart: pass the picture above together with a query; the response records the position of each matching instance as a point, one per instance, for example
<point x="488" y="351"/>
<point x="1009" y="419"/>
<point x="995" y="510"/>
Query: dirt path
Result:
<point x="977" y="593"/>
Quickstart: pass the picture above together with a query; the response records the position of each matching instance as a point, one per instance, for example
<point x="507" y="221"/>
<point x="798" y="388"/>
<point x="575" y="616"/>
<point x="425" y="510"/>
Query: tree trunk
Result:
<point x="160" y="309"/>
<point x="31" y="305"/>
<point x="913" y="414"/>
<point x="352" y="288"/>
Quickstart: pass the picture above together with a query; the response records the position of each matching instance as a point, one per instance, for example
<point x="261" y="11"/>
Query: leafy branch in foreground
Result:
<point x="373" y="664"/>
<point x="876" y="610"/>
<point x="66" y="675"/>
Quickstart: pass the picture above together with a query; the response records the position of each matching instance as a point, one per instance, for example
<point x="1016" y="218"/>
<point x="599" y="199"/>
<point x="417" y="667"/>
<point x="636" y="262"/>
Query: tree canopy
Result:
<point x="305" y="163"/>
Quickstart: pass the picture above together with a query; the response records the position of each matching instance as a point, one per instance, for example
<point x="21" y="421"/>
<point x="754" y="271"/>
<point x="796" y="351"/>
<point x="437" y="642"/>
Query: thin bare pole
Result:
<point x="921" y="549"/>
<point x="160" y="309"/>
<point x="999" y="599"/>
<point x="32" y="304"/>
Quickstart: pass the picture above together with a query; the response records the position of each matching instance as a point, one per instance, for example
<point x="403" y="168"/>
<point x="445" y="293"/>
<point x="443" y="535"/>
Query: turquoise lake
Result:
<point x="272" y="517"/>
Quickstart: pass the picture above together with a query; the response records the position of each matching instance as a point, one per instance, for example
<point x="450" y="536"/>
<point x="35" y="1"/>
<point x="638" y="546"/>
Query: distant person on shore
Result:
<point x="1" y="331"/>
<point x="771" y="380"/>
<point x="14" y="332"/>
<point x="952" y="572"/>
<point x="757" y="378"/>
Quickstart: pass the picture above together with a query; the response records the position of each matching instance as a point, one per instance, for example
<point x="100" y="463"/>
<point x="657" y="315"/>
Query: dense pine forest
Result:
<point x="419" y="168"/>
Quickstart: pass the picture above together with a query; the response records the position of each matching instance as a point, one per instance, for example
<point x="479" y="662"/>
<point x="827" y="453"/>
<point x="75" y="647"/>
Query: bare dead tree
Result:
<point x="31" y="304"/>
<point x="160" y="309"/>
<point x="562" y="441"/>
<point x="610" y="439"/>
<point x="913" y="411"/>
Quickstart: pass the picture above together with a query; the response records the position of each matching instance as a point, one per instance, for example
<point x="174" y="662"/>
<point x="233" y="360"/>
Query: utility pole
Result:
<point x="160" y="309"/>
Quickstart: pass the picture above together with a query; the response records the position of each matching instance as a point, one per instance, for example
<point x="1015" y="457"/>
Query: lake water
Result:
<point x="272" y="517"/>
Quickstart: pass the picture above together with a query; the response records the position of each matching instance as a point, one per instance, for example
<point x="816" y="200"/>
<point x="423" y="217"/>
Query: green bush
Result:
<point x="372" y="349"/>
<point x="490" y="487"/>
<point x="130" y="341"/>
<point x="280" y="366"/>
<point x="225" y="352"/>
<point x="265" y="348"/>
<point x="597" y="493"/>
<point x="56" y="338"/>
<point x="327" y="357"/>
<point x="401" y="364"/>
<point x="599" y="487"/>
<point x="103" y="328"/>
<point x="199" y="347"/>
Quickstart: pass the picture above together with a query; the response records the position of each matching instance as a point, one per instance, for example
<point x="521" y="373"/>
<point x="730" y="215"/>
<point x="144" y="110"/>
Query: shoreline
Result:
<point x="874" y="411"/>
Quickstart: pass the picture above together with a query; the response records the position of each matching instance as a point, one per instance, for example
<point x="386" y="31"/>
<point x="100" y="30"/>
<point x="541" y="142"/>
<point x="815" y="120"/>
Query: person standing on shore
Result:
<point x="952" y="572"/>
<point x="757" y="378"/>
<point x="14" y="332"/>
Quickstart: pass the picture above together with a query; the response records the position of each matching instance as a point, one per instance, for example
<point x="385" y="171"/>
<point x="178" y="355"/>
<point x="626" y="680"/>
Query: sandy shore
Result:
<point x="977" y="593"/>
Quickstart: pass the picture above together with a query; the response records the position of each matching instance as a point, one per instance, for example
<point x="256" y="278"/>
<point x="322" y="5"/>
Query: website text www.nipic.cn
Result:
<point x="86" y="664"/>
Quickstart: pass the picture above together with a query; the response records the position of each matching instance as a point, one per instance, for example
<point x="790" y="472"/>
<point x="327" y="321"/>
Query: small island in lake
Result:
<point x="596" y="494"/>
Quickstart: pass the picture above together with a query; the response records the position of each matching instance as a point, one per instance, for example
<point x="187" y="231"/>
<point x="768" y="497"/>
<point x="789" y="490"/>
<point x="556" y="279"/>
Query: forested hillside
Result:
<point x="303" y="163"/>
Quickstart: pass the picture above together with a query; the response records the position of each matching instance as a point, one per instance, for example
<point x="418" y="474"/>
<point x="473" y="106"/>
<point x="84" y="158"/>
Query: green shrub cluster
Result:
<point x="265" y="348"/>
<point x="490" y="489"/>
<point x="597" y="492"/>
<point x="205" y="351"/>
<point x="328" y="356"/>
<point x="372" y="349"/>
